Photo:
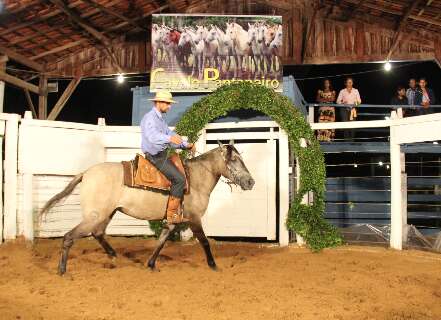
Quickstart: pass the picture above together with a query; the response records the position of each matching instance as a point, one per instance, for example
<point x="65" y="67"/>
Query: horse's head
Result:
<point x="269" y="35"/>
<point x="252" y="33"/>
<point x="212" y="34"/>
<point x="184" y="38"/>
<point x="230" y="31"/>
<point x="234" y="168"/>
<point x="261" y="29"/>
<point x="277" y="42"/>
<point x="174" y="36"/>
<point x="201" y="34"/>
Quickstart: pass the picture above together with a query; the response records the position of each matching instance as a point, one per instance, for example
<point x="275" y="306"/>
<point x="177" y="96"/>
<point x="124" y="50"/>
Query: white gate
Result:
<point x="233" y="212"/>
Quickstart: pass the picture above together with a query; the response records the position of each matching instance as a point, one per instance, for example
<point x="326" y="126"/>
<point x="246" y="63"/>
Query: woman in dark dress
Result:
<point x="326" y="113"/>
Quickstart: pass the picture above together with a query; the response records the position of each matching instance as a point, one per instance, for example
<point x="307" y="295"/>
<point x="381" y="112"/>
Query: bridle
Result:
<point x="223" y="179"/>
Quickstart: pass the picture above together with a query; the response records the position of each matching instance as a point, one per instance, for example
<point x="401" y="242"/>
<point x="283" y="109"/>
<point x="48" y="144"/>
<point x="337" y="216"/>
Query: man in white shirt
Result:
<point x="348" y="95"/>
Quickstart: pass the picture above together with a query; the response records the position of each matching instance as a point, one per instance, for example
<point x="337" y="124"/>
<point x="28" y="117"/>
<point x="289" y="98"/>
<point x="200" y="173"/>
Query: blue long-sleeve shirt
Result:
<point x="156" y="134"/>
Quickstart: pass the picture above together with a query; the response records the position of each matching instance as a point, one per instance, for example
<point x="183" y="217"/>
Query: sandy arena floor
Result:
<point x="255" y="281"/>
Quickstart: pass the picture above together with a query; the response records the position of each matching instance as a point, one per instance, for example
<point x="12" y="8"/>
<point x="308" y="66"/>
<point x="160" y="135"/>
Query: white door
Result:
<point x="251" y="213"/>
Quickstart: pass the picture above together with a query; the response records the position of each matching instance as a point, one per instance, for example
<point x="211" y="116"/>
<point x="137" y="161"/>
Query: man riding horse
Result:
<point x="155" y="142"/>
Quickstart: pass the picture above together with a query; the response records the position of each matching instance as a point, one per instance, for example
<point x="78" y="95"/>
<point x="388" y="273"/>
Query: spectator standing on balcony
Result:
<point x="411" y="91"/>
<point x="400" y="99"/>
<point x="410" y="94"/>
<point x="326" y="113"/>
<point x="424" y="97"/>
<point x="351" y="96"/>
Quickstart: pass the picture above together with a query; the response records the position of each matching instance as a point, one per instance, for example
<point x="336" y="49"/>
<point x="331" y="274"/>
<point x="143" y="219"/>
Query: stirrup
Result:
<point x="177" y="219"/>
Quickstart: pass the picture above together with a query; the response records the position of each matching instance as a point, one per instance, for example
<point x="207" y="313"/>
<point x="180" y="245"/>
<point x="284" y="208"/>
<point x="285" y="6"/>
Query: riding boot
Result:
<point x="174" y="211"/>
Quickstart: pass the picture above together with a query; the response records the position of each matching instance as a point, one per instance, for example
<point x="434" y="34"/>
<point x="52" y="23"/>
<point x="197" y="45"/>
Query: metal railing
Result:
<point x="362" y="108"/>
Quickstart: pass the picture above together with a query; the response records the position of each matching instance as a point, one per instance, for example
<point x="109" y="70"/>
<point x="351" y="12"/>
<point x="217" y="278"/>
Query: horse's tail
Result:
<point x="68" y="190"/>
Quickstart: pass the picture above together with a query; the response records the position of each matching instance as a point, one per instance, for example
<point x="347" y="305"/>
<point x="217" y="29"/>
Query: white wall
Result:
<point x="51" y="153"/>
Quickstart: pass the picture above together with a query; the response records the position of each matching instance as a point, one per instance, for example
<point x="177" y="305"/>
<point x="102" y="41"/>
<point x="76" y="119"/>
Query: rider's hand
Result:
<point x="176" y="139"/>
<point x="192" y="148"/>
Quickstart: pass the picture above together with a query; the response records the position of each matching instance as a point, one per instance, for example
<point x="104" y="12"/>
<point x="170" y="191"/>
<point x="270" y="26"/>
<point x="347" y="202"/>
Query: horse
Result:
<point x="225" y="49"/>
<point x="211" y="47"/>
<point x="103" y="193"/>
<point x="171" y="46"/>
<point x="183" y="53"/>
<point x="255" y="48"/>
<point x="276" y="46"/>
<point x="158" y="34"/>
<point x="265" y="37"/>
<point x="188" y="36"/>
<point x="241" y="47"/>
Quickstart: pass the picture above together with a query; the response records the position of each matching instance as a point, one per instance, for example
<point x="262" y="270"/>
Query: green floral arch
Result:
<point x="306" y="220"/>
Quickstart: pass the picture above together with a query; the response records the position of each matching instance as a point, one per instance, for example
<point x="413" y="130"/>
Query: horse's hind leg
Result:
<point x="98" y="234"/>
<point x="165" y="234"/>
<point x="80" y="231"/>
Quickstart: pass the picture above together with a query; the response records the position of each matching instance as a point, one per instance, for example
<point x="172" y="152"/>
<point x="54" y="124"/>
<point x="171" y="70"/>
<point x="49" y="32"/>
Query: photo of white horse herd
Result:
<point x="240" y="48"/>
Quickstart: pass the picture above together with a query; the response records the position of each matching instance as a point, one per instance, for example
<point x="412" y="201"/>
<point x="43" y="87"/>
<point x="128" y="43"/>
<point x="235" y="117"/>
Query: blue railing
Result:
<point x="368" y="110"/>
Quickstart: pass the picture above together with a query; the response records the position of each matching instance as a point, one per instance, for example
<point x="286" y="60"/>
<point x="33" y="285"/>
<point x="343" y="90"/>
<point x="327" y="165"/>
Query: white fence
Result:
<point x="50" y="153"/>
<point x="424" y="128"/>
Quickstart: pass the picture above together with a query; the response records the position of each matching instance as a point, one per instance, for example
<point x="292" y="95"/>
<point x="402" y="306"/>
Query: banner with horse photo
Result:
<point x="198" y="53"/>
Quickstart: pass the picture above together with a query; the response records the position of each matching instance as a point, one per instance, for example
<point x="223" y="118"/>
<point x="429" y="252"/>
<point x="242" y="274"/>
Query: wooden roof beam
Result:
<point x="122" y="24"/>
<point x="60" y="48"/>
<point x="30" y="103"/>
<point x="399" y="13"/>
<point x="351" y="11"/>
<point x="401" y="26"/>
<point x="87" y="27"/>
<point x="274" y="4"/>
<point x="54" y="13"/>
<point x="64" y="98"/>
<point x="12" y="54"/>
<point x="115" y="14"/>
<point x="18" y="82"/>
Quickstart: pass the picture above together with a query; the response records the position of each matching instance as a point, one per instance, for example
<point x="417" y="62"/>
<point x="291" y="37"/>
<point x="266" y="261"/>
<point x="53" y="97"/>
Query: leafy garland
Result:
<point x="305" y="220"/>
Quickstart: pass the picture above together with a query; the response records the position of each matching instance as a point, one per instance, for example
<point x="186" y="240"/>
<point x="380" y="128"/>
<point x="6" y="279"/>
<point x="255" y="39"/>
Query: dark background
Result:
<point x="104" y="97"/>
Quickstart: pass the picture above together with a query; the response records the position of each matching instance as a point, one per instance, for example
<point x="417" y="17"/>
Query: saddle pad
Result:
<point x="141" y="173"/>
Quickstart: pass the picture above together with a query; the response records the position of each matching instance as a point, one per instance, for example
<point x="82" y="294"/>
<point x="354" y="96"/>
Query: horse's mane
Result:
<point x="204" y="156"/>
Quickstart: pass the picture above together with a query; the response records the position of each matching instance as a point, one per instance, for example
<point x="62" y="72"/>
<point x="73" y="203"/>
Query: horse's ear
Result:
<point x="231" y="142"/>
<point x="220" y="144"/>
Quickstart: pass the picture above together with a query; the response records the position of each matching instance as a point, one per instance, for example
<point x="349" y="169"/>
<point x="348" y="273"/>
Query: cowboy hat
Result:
<point x="164" y="96"/>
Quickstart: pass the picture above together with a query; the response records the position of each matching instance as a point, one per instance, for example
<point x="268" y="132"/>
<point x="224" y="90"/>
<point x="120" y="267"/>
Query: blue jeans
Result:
<point x="169" y="170"/>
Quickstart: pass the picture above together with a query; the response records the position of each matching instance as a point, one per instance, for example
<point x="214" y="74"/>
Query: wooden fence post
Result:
<point x="283" y="187"/>
<point x="396" y="218"/>
<point x="10" y="192"/>
<point x="28" y="204"/>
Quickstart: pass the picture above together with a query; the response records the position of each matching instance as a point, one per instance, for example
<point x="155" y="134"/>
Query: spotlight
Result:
<point x="120" y="78"/>
<point x="355" y="165"/>
<point x="387" y="66"/>
<point x="387" y="167"/>
<point x="380" y="163"/>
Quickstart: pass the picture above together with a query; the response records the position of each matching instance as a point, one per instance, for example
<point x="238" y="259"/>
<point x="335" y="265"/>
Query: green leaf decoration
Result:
<point x="305" y="220"/>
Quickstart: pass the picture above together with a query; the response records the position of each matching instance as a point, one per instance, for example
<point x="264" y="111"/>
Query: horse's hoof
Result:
<point x="213" y="266"/>
<point x="154" y="269"/>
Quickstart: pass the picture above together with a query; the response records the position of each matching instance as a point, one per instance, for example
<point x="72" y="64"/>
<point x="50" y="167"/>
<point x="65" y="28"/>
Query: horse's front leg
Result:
<point x="165" y="234"/>
<point x="197" y="230"/>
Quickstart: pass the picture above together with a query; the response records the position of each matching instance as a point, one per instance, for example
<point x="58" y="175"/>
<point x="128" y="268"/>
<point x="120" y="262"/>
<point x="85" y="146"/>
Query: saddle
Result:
<point x="141" y="173"/>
